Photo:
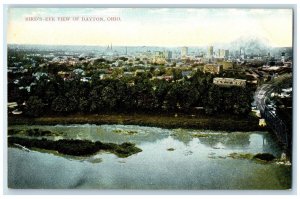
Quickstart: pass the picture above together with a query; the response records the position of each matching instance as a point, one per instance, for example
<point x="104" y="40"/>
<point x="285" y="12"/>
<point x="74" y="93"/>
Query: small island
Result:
<point x="76" y="147"/>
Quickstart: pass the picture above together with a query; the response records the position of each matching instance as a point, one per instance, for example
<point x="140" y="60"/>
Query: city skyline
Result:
<point x="150" y="27"/>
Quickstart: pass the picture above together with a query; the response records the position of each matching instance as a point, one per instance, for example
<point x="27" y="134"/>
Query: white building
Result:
<point x="184" y="52"/>
<point x="210" y="52"/>
<point x="229" y="82"/>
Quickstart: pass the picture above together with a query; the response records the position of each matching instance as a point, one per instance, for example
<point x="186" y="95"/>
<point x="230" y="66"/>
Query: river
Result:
<point x="171" y="159"/>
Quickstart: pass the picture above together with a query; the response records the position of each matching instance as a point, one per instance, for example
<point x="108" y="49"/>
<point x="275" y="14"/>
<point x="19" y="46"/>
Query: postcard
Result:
<point x="149" y="98"/>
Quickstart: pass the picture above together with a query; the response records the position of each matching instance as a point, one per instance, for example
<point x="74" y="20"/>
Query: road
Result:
<point x="261" y="95"/>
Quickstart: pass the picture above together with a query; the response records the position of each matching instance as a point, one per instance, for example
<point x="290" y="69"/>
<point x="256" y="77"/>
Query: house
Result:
<point x="229" y="82"/>
<point x="164" y="77"/>
<point x="128" y="74"/>
<point x="12" y="105"/>
<point x="187" y="74"/>
<point x="105" y="76"/>
<point x="78" y="71"/>
<point x="64" y="75"/>
<point x="38" y="75"/>
<point x="213" y="68"/>
<point x="85" y="79"/>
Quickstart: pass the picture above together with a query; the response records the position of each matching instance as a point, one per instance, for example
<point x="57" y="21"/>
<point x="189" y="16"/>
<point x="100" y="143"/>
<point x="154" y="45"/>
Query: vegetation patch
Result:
<point x="264" y="156"/>
<point x="260" y="156"/>
<point x="247" y="156"/>
<point x="171" y="149"/>
<point x="121" y="131"/>
<point x="97" y="160"/>
<point x="32" y="132"/>
<point x="76" y="147"/>
<point x="14" y="132"/>
<point x="200" y="135"/>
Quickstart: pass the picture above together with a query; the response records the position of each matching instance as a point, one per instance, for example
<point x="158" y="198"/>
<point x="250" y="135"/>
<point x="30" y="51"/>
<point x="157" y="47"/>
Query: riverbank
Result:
<point x="219" y="122"/>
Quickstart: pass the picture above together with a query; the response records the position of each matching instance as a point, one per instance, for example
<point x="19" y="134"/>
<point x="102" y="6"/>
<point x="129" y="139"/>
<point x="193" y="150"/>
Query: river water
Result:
<point x="171" y="159"/>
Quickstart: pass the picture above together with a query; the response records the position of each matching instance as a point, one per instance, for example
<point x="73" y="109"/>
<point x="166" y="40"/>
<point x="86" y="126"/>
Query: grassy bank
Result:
<point x="220" y="122"/>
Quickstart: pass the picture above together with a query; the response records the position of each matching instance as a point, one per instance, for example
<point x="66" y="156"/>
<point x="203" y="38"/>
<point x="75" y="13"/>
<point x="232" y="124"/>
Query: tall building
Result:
<point x="210" y="52"/>
<point x="226" y="54"/>
<point x="219" y="53"/>
<point x="213" y="68"/>
<point x="158" y="54"/>
<point x="223" y="54"/>
<point x="242" y="53"/>
<point x="283" y="56"/>
<point x="159" y="57"/>
<point x="184" y="52"/>
<point x="167" y="54"/>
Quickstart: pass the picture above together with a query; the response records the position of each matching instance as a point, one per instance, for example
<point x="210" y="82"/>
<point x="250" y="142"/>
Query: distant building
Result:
<point x="64" y="74"/>
<point x="110" y="52"/>
<point x="158" y="54"/>
<point x="167" y="54"/>
<point x="85" y="79"/>
<point x="164" y="77"/>
<point x="223" y="54"/>
<point x="242" y="53"/>
<point x="213" y="68"/>
<point x="229" y="82"/>
<point x="283" y="56"/>
<point x="287" y="64"/>
<point x="38" y="75"/>
<point x="184" y="52"/>
<point x="187" y="74"/>
<point x="226" y="54"/>
<point x="12" y="105"/>
<point x="128" y="74"/>
<point x="219" y="53"/>
<point x="210" y="52"/>
<point x="159" y="57"/>
<point x="105" y="76"/>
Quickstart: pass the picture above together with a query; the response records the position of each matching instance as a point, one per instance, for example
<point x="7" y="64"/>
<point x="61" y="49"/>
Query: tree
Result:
<point x="171" y="98"/>
<point x="242" y="101"/>
<point x="188" y="97"/>
<point x="160" y="92"/>
<point x="95" y="99"/>
<point x="83" y="105"/>
<point x="143" y="94"/>
<point x="213" y="100"/>
<point x="60" y="105"/>
<point x="34" y="106"/>
<point x="109" y="98"/>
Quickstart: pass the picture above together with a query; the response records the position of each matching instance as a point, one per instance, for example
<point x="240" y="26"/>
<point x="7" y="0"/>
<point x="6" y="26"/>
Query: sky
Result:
<point x="148" y="26"/>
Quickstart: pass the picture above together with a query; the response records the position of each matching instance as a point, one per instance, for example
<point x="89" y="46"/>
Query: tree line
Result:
<point x="54" y="96"/>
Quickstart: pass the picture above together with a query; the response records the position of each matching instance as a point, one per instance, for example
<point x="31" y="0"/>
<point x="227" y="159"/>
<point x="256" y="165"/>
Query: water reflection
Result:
<point x="182" y="135"/>
<point x="142" y="134"/>
<point x="268" y="144"/>
<point x="232" y="140"/>
<point x="197" y="161"/>
<point x="213" y="139"/>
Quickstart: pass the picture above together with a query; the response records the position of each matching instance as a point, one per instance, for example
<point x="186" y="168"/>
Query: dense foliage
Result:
<point x="53" y="95"/>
